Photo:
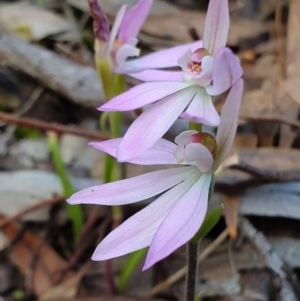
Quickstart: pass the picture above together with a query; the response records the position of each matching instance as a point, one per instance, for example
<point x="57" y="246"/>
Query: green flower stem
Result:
<point x="195" y="126"/>
<point x="113" y="84"/>
<point x="74" y="211"/>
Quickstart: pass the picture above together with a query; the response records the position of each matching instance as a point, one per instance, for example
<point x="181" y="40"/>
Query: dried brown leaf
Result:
<point x="289" y="108"/>
<point x="231" y="209"/>
<point x="183" y="22"/>
<point x="39" y="263"/>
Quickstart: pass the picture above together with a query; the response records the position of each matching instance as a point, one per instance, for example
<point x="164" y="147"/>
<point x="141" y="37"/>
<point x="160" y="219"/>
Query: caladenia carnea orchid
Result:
<point x="175" y="217"/>
<point x="206" y="71"/>
<point x="112" y="48"/>
<point x="120" y="43"/>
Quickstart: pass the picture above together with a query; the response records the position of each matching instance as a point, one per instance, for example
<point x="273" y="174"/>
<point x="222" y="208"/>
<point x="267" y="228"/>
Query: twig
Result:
<point x="34" y="96"/>
<point x="73" y="81"/>
<point x="49" y="126"/>
<point x="274" y="118"/>
<point x="180" y="273"/>
<point x="40" y="205"/>
<point x="279" y="34"/>
<point x="287" y="91"/>
<point x="269" y="176"/>
<point x="83" y="243"/>
<point x="273" y="261"/>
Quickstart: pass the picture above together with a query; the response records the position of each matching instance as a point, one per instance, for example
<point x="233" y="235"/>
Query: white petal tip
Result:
<point x="99" y="256"/>
<point x="121" y="158"/>
<point x="105" y="108"/>
<point x="147" y="266"/>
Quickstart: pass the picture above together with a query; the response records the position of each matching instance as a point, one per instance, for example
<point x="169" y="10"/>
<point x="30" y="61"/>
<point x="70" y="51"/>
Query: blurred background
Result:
<point x="49" y="92"/>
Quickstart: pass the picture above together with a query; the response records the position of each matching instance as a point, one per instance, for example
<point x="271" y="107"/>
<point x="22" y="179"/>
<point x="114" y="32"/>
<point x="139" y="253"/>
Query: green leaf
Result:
<point x="198" y="296"/>
<point x="74" y="211"/>
<point x="129" y="267"/>
<point x="210" y="221"/>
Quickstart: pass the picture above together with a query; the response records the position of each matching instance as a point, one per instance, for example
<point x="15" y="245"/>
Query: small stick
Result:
<point x="40" y="205"/>
<point x="180" y="273"/>
<point x="269" y="176"/>
<point x="275" y="118"/>
<point x="50" y="126"/>
<point x="273" y="261"/>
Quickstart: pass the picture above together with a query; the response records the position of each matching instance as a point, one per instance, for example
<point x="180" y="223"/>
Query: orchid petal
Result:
<point x="137" y="231"/>
<point x="202" y="110"/>
<point x="124" y="52"/>
<point x="184" y="60"/>
<point x="161" y="153"/>
<point x="158" y="75"/>
<point x="142" y="95"/>
<point x="116" y="27"/>
<point x="152" y="124"/>
<point x="216" y="26"/>
<point x="184" y="137"/>
<point x="182" y="140"/>
<point x="132" y="41"/>
<point x="134" y="19"/>
<point x="229" y="120"/>
<point x="196" y="152"/>
<point x="226" y="71"/>
<point x="131" y="190"/>
<point x="205" y="77"/>
<point x="181" y="223"/>
<point x="166" y="58"/>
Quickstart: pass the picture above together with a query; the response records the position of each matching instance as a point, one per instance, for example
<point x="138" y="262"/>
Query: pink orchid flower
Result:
<point x="174" y="217"/>
<point x="119" y="43"/>
<point x="205" y="72"/>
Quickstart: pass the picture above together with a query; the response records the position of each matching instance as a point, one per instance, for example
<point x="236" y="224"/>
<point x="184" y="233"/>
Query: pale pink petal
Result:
<point x="184" y="137"/>
<point x="216" y="26"/>
<point x="226" y="71"/>
<point x="137" y="231"/>
<point x="131" y="190"/>
<point x="229" y="120"/>
<point x="161" y="153"/>
<point x="184" y="60"/>
<point x="181" y="223"/>
<point x="134" y="19"/>
<point x="108" y="146"/>
<point x="158" y="75"/>
<point x="196" y="152"/>
<point x="142" y="95"/>
<point x="116" y="27"/>
<point x="182" y="140"/>
<point x="124" y="52"/>
<point x="149" y="127"/>
<point x="202" y="110"/>
<point x="206" y="75"/>
<point x="132" y="42"/>
<point x="166" y="58"/>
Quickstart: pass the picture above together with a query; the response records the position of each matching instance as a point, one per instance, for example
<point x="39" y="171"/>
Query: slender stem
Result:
<point x="195" y="126"/>
<point x="113" y="84"/>
<point x="192" y="271"/>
